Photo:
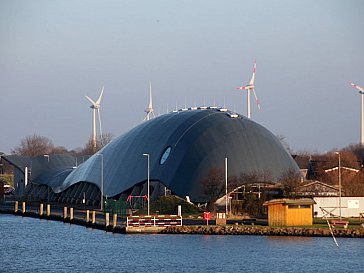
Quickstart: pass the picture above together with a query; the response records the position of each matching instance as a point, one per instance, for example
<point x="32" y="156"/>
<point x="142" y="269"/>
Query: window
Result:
<point x="165" y="155"/>
<point x="305" y="206"/>
<point x="293" y="206"/>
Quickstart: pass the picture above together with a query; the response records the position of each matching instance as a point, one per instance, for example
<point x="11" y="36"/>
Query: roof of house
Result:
<point x="285" y="201"/>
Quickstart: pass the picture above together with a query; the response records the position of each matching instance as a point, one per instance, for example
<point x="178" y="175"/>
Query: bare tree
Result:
<point x="285" y="143"/>
<point x="60" y="150"/>
<point x="34" y="145"/>
<point x="290" y="181"/>
<point x="356" y="186"/>
<point x="358" y="150"/>
<point x="106" y="139"/>
<point x="254" y="191"/>
<point x="100" y="143"/>
<point x="214" y="185"/>
<point x="255" y="177"/>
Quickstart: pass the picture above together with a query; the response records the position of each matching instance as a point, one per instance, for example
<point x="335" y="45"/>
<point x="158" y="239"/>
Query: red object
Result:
<point x="207" y="215"/>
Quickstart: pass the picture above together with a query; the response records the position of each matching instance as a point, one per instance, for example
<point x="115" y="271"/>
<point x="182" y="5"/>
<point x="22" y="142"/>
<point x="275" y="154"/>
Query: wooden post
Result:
<point x="16" y="207"/>
<point x="71" y="214"/>
<point x="115" y="220"/>
<point x="107" y="219"/>
<point x="41" y="209"/>
<point x="48" y="210"/>
<point x="64" y="213"/>
<point x="23" y="207"/>
<point x="93" y="217"/>
<point x="87" y="216"/>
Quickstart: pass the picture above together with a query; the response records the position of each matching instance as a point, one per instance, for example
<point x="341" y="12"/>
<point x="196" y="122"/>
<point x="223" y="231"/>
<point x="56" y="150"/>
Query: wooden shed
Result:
<point x="290" y="212"/>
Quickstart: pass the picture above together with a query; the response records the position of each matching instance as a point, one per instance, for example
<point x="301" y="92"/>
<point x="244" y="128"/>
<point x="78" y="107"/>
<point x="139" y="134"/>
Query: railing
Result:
<point x="119" y="207"/>
<point x="154" y="221"/>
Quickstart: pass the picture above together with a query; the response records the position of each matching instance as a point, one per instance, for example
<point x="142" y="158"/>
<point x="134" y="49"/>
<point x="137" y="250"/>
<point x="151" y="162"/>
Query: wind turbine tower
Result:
<point x="361" y="92"/>
<point x="95" y="106"/>
<point x="150" y="111"/>
<point x="250" y="87"/>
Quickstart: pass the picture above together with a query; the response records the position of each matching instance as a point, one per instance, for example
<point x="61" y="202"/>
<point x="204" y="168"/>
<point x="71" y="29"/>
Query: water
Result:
<point x="33" y="245"/>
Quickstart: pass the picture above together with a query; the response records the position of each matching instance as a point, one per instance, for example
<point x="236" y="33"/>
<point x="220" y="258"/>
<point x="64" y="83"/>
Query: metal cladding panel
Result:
<point x="199" y="141"/>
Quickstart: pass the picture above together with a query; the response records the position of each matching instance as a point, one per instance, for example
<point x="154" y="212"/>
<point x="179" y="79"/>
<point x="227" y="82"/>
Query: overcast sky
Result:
<point x="53" y="53"/>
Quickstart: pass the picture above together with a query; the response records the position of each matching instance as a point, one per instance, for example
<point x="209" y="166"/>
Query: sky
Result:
<point x="53" y="53"/>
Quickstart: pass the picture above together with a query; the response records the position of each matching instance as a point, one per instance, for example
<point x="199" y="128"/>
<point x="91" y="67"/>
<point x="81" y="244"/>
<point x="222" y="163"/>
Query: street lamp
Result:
<point x="148" y="185"/>
<point x="339" y="184"/>
<point x="47" y="156"/>
<point x="102" y="182"/>
<point x="226" y="186"/>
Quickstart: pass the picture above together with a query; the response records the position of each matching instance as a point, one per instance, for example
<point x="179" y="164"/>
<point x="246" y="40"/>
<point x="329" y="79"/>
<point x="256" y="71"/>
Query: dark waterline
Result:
<point x="33" y="245"/>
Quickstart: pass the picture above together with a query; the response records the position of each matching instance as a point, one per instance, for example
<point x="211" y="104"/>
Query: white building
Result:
<point x="330" y="206"/>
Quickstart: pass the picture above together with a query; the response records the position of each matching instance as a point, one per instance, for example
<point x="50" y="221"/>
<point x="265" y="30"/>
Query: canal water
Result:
<point x="34" y="245"/>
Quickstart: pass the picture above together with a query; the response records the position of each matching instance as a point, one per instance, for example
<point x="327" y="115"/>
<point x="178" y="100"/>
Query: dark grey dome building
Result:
<point x="183" y="147"/>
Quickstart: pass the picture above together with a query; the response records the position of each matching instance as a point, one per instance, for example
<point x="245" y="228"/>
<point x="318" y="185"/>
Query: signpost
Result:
<point x="207" y="217"/>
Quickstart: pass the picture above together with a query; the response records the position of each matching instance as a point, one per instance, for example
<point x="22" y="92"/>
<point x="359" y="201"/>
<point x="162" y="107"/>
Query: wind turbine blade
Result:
<point x="256" y="99"/>
<point x="98" y="113"/>
<point x="357" y="86"/>
<point x="241" y="88"/>
<point x="253" y="75"/>
<point x="99" y="99"/>
<point x="93" y="103"/>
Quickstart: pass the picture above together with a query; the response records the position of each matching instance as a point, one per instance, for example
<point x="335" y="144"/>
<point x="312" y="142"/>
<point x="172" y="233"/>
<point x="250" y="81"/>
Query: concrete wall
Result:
<point x="350" y="206"/>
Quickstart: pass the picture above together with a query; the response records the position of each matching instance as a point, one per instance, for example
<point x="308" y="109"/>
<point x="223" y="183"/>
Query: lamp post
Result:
<point x="102" y="182"/>
<point x="226" y="186"/>
<point x="148" y="185"/>
<point x="47" y="156"/>
<point x="339" y="184"/>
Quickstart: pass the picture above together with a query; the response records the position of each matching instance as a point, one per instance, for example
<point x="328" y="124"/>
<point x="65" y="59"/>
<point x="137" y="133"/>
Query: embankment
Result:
<point x="267" y="231"/>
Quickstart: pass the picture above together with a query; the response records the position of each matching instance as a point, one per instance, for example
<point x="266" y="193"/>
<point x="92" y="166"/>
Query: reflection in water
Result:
<point x="33" y="245"/>
<point x="289" y="240"/>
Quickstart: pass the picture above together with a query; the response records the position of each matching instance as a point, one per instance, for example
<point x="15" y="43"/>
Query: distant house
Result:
<point x="290" y="212"/>
<point x="347" y="174"/>
<point x="316" y="168"/>
<point x="351" y="206"/>
<point x="303" y="163"/>
<point x="317" y="188"/>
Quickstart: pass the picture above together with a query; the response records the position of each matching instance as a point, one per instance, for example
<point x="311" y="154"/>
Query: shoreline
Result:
<point x="265" y="231"/>
<point x="198" y="229"/>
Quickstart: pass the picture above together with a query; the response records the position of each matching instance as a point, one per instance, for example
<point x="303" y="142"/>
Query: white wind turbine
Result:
<point x="95" y="106"/>
<point x="150" y="111"/>
<point x="361" y="91"/>
<point x="250" y="87"/>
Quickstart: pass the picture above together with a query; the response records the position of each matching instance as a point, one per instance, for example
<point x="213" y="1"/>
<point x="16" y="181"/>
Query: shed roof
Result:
<point x="285" y="201"/>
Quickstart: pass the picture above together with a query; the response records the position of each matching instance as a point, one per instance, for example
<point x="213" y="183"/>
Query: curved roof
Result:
<point x="199" y="140"/>
<point x="51" y="170"/>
